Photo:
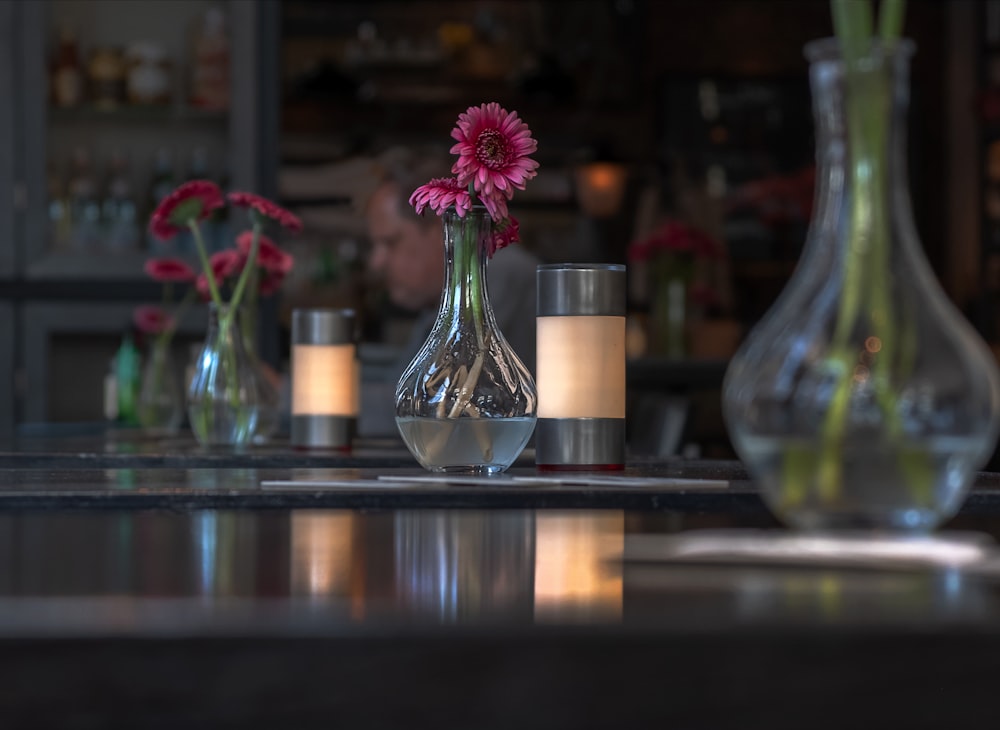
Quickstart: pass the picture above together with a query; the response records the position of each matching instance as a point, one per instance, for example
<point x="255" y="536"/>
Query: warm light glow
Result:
<point x="581" y="367"/>
<point x="321" y="553"/>
<point x="575" y="569"/>
<point x="324" y="380"/>
<point x="873" y="344"/>
<point x="600" y="188"/>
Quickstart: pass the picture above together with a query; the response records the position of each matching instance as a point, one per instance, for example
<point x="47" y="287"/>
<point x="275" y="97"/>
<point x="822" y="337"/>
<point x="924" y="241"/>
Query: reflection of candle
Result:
<point x="574" y="568"/>
<point x="580" y="366"/>
<point x="324" y="378"/>
<point x="321" y="553"/>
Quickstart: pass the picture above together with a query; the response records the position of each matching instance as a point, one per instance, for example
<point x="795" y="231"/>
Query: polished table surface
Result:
<point x="142" y="595"/>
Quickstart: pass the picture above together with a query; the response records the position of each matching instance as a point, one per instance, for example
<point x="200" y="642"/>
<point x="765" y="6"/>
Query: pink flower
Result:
<point x="679" y="239"/>
<point x="506" y="232"/>
<point x="169" y="270"/>
<point x="270" y="283"/>
<point x="440" y="194"/>
<point x="226" y="263"/>
<point x="496" y="206"/>
<point x="201" y="285"/>
<point x="192" y="201"/>
<point x="269" y="256"/>
<point x="152" y="320"/>
<point x="266" y="208"/>
<point x="493" y="148"/>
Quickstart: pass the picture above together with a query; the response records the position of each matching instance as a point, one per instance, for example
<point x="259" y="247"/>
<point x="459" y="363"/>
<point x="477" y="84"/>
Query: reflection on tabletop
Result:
<point x="333" y="569"/>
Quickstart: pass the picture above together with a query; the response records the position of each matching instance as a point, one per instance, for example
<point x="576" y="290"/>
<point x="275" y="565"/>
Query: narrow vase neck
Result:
<point x="224" y="323"/>
<point x="860" y="117"/>
<point x="465" y="292"/>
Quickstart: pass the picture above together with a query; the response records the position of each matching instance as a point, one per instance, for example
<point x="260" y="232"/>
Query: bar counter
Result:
<point x="153" y="587"/>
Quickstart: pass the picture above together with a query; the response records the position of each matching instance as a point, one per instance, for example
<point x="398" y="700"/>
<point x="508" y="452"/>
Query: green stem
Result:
<point x="250" y="265"/>
<point x="866" y="289"/>
<point x="890" y="20"/>
<point x="206" y="265"/>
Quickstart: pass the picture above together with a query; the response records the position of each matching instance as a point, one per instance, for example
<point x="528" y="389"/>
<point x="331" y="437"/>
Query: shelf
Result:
<point x="138" y="115"/>
<point x="93" y="266"/>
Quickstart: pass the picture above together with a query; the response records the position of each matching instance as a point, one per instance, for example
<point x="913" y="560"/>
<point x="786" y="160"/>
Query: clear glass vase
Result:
<point x="466" y="403"/>
<point x="863" y="399"/>
<point x="222" y="398"/>
<point x="161" y="400"/>
<point x="268" y="395"/>
<point x="268" y="405"/>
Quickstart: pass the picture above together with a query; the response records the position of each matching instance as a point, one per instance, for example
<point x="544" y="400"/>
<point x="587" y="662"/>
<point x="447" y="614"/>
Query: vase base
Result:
<point x="482" y="470"/>
<point x="913" y="520"/>
<point x="465" y="445"/>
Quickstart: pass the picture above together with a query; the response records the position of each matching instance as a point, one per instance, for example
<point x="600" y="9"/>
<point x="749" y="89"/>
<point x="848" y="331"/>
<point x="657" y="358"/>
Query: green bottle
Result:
<point x="127" y="373"/>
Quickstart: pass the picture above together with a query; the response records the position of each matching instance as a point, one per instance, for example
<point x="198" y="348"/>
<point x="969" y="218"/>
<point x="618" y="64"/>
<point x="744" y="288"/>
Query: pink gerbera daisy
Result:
<point x="269" y="256"/>
<point x="496" y="206"/>
<point x="152" y="320"/>
<point x="270" y="283"/>
<point x="192" y="201"/>
<point x="169" y="270"/>
<point x="441" y="193"/>
<point x="506" y="232"/>
<point x="266" y="208"/>
<point x="493" y="148"/>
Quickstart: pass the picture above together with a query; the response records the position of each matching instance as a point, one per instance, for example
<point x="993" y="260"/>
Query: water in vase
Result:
<point x="909" y="486"/>
<point x="474" y="445"/>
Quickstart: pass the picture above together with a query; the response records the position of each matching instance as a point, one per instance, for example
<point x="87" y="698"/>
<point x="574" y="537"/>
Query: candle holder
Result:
<point x="580" y="367"/>
<point x="324" y="378"/>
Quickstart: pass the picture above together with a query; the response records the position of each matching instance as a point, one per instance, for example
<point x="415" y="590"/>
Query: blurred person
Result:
<point x="407" y="255"/>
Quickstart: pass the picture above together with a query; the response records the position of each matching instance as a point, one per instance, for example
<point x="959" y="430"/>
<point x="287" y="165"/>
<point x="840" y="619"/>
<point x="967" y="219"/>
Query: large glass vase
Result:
<point x="863" y="398"/>
<point x="466" y="403"/>
<point x="223" y="395"/>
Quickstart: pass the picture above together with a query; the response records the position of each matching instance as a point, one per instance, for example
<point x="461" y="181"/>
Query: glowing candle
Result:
<point x="325" y="378"/>
<point x="581" y="366"/>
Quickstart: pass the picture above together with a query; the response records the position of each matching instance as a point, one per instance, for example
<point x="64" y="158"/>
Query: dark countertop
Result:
<point x="198" y="593"/>
<point x="467" y="618"/>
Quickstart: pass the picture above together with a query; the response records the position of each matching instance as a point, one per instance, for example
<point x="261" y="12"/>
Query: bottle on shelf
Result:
<point x="161" y="184"/>
<point x="84" y="206"/>
<point x="106" y="77"/>
<point x="210" y="62"/>
<point x="58" y="209"/>
<point x="119" y="212"/>
<point x="147" y="74"/>
<point x="127" y="375"/>
<point x="67" y="80"/>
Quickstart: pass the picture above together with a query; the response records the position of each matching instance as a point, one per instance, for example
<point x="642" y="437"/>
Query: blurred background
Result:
<point x="644" y="111"/>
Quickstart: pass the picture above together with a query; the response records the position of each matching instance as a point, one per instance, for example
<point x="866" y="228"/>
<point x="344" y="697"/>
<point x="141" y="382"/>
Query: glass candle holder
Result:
<point x="325" y="378"/>
<point x="580" y="367"/>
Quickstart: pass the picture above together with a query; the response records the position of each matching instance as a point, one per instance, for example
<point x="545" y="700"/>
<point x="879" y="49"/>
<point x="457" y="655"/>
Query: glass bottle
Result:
<point x="67" y="72"/>
<point x="466" y="403"/>
<point x="863" y="398"/>
<point x="222" y="399"/>
<point x="119" y="213"/>
<point x="127" y="374"/>
<point x="84" y="204"/>
<point x="210" y="62"/>
<point x="161" y="184"/>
